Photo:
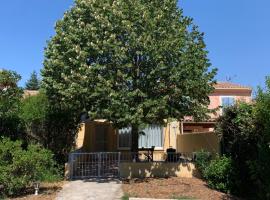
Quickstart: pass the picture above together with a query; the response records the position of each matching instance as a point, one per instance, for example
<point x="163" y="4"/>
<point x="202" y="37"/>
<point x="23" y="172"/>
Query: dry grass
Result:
<point x="177" y="188"/>
<point x="47" y="191"/>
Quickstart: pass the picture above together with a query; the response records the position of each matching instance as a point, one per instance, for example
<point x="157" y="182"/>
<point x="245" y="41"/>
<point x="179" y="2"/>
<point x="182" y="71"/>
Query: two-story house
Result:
<point x="184" y="136"/>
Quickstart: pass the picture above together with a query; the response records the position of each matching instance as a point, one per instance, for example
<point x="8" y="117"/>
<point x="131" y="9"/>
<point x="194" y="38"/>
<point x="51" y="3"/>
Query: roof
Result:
<point x="229" y="85"/>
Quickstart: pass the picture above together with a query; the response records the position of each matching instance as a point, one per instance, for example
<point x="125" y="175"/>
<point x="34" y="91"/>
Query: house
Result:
<point x="185" y="136"/>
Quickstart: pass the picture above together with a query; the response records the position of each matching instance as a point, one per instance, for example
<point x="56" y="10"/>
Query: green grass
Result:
<point x="125" y="197"/>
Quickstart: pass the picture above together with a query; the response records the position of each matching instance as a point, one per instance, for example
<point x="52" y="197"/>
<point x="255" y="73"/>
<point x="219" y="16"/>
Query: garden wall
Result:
<point x="158" y="169"/>
<point x="193" y="142"/>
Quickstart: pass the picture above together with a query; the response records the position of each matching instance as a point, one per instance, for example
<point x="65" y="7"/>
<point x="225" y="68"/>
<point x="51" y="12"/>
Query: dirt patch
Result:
<point x="172" y="188"/>
<point x="47" y="191"/>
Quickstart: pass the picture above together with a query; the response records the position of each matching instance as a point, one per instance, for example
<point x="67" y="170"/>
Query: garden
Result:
<point x="243" y="168"/>
<point x="132" y="63"/>
<point x="28" y="154"/>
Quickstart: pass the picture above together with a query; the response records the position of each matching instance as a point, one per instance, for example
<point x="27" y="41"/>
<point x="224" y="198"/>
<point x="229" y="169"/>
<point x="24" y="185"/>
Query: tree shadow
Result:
<point x="157" y="169"/>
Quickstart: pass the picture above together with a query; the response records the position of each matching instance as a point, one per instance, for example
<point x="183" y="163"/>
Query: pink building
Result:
<point x="225" y="94"/>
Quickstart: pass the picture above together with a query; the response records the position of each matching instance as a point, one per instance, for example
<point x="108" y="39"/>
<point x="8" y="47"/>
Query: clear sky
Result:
<point x="236" y="33"/>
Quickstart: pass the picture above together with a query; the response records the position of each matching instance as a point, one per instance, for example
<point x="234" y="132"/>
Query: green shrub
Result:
<point x="20" y="167"/>
<point x="219" y="173"/>
<point x="202" y="160"/>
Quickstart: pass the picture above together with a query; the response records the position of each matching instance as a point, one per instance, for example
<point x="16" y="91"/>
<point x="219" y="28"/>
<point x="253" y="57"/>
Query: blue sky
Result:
<point x="236" y="33"/>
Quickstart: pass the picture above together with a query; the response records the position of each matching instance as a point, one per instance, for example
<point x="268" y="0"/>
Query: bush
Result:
<point x="53" y="128"/>
<point x="10" y="97"/>
<point x="20" y="167"/>
<point x="219" y="173"/>
<point x="239" y="136"/>
<point x="202" y="160"/>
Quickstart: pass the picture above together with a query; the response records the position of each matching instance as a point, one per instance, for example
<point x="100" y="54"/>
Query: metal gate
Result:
<point x="90" y="165"/>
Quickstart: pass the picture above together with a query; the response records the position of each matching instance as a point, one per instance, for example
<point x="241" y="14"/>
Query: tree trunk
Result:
<point x="135" y="138"/>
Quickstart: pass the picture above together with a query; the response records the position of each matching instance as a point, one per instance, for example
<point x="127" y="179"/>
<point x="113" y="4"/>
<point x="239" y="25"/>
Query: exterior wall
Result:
<point x="87" y="136"/>
<point x="196" y="128"/>
<point x="239" y="94"/>
<point x="158" y="169"/>
<point x="195" y="142"/>
<point x="172" y="139"/>
<point x="80" y="136"/>
<point x="243" y="95"/>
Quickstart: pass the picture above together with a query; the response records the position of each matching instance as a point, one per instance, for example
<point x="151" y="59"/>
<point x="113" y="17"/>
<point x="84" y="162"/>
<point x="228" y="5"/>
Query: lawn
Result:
<point x="174" y="188"/>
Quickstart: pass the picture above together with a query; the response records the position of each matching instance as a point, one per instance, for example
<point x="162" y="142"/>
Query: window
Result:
<point x="227" y="101"/>
<point x="124" y="138"/>
<point x="153" y="136"/>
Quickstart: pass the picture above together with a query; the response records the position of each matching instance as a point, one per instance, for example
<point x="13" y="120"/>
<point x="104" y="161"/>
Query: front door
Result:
<point x="101" y="137"/>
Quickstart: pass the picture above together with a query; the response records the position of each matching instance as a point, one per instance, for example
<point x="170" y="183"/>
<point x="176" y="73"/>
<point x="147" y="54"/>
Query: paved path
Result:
<point x="95" y="189"/>
<point x="149" y="199"/>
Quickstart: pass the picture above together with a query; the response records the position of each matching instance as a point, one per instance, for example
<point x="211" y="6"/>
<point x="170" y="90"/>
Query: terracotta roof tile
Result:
<point x="229" y="85"/>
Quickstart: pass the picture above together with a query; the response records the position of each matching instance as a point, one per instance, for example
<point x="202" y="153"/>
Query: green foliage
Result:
<point x="20" y="167"/>
<point x="125" y="197"/>
<point x="50" y="127"/>
<point x="33" y="83"/>
<point x="260" y="168"/>
<point x="202" y="160"/>
<point x="130" y="62"/>
<point x="10" y="96"/>
<point x="237" y="129"/>
<point x="33" y="114"/>
<point x="219" y="174"/>
<point x="244" y="129"/>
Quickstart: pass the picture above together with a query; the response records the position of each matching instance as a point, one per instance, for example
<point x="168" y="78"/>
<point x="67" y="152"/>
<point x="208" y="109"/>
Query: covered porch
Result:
<point x="101" y="136"/>
<point x="103" y="151"/>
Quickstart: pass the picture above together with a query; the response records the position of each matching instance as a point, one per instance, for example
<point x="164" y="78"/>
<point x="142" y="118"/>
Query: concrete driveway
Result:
<point x="91" y="189"/>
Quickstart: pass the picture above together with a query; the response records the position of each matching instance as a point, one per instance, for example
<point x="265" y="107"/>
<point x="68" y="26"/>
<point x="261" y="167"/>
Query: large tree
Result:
<point x="130" y="62"/>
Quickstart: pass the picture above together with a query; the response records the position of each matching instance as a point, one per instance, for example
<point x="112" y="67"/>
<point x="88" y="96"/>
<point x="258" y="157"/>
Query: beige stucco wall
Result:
<point x="86" y="136"/>
<point x="80" y="136"/>
<point x="158" y="169"/>
<point x="195" y="142"/>
<point x="172" y="139"/>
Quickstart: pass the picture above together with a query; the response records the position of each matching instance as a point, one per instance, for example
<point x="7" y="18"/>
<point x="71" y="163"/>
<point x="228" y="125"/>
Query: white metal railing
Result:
<point x="106" y="164"/>
<point x="88" y="165"/>
<point x="156" y="156"/>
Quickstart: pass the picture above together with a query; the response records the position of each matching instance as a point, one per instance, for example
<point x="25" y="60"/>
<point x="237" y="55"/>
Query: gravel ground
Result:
<point x="163" y="188"/>
<point x="47" y="191"/>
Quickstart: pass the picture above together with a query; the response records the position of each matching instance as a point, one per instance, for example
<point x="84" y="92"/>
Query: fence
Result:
<point x="107" y="164"/>
<point x="156" y="157"/>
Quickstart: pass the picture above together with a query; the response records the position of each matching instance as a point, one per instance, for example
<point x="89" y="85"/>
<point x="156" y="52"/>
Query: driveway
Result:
<point x="96" y="189"/>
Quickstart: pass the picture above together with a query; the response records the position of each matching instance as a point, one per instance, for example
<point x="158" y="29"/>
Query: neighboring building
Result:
<point x="28" y="93"/>
<point x="186" y="136"/>
<point x="225" y="94"/>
